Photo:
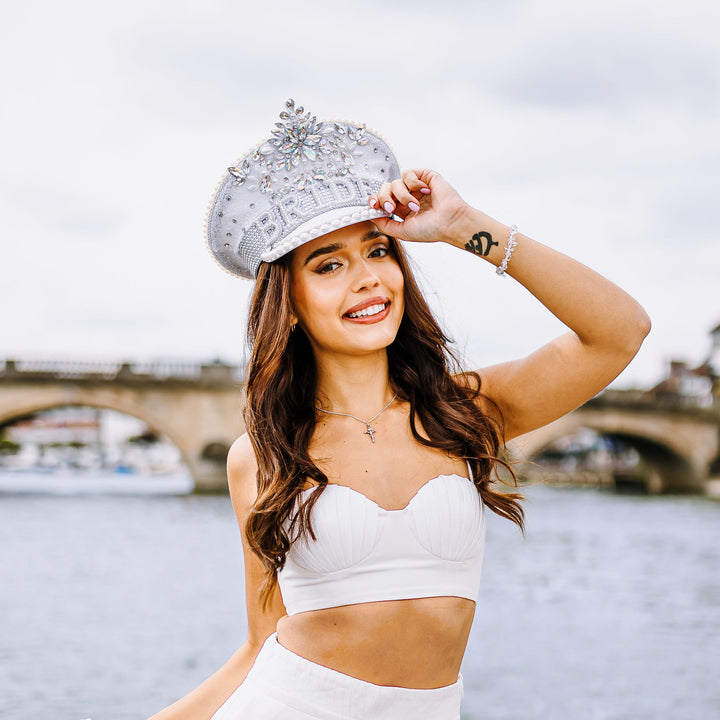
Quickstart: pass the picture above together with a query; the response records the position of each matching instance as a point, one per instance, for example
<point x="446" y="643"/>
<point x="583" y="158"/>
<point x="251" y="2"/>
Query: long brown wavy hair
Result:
<point x="280" y="411"/>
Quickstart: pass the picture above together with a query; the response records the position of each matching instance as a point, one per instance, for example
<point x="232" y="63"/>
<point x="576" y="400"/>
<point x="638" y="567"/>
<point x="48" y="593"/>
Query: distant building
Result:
<point x="59" y="426"/>
<point x="697" y="386"/>
<point x="83" y="437"/>
<point x="713" y="360"/>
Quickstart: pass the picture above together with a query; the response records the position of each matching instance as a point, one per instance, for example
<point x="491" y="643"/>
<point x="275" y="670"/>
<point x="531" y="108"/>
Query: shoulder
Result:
<point x="242" y="471"/>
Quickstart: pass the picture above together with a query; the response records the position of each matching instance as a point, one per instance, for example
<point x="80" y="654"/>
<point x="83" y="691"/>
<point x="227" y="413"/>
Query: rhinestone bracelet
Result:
<point x="511" y="245"/>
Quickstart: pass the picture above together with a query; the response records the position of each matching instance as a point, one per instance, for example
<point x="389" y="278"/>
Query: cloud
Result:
<point x="48" y="206"/>
<point x="610" y="70"/>
<point x="595" y="133"/>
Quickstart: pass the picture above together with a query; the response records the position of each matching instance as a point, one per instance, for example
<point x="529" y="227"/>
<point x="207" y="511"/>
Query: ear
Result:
<point x="293" y="318"/>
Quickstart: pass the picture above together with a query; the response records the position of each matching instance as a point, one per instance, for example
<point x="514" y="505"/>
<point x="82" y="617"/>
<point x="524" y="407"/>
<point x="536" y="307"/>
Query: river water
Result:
<point x="112" y="605"/>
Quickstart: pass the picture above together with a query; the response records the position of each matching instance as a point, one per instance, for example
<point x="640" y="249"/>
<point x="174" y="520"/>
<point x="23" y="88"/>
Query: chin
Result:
<point x="375" y="342"/>
<point x="354" y="346"/>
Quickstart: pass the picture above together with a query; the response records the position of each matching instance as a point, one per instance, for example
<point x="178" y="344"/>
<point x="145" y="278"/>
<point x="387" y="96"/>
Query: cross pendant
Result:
<point x="370" y="432"/>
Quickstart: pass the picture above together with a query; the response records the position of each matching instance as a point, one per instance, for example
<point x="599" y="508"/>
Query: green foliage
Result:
<point x="8" y="447"/>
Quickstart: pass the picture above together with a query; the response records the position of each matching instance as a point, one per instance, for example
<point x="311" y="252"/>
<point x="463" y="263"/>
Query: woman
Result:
<point x="361" y="484"/>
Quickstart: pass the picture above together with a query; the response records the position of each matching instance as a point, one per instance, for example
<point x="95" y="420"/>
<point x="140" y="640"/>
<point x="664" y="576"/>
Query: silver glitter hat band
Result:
<point x="308" y="178"/>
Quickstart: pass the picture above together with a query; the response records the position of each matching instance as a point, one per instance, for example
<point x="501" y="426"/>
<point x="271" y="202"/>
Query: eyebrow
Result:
<point x="334" y="247"/>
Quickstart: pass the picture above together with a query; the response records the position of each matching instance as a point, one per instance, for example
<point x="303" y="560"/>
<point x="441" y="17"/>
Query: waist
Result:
<point x="373" y="641"/>
<point x="292" y="681"/>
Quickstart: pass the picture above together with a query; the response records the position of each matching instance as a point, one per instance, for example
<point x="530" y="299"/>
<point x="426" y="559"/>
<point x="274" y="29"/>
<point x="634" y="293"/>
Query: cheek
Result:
<point x="313" y="305"/>
<point x="399" y="289"/>
<point x="400" y="302"/>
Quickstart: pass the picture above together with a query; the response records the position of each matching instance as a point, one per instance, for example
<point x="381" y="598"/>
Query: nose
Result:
<point x="365" y="277"/>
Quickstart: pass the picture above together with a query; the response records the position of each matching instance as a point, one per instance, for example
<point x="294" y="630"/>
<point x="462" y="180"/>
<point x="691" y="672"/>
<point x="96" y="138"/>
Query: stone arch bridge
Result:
<point x="679" y="443"/>
<point x="197" y="406"/>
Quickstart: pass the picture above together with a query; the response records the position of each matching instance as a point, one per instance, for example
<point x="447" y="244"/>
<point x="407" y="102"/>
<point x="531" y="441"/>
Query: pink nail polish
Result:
<point x="425" y="191"/>
<point x="389" y="207"/>
<point x="373" y="202"/>
<point x="414" y="206"/>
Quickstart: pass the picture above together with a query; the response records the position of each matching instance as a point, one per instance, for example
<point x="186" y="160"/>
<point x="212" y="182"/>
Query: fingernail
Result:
<point x="389" y="207"/>
<point x="413" y="206"/>
<point x="425" y="191"/>
<point x="373" y="202"/>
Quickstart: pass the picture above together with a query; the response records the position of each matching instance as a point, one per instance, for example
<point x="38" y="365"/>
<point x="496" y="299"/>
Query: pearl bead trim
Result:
<point x="320" y="225"/>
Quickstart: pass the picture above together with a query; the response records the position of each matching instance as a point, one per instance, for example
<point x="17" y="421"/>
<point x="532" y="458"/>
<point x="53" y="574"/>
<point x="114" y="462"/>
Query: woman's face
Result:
<point x="347" y="290"/>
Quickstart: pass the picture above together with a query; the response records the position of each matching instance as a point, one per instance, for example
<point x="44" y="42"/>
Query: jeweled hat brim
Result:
<point x="309" y="178"/>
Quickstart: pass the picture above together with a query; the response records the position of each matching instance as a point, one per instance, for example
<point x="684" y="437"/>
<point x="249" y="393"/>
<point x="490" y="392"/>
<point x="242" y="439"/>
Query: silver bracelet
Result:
<point x="511" y="245"/>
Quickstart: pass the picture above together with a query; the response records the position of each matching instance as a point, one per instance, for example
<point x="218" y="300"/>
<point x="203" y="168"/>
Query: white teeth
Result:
<point x="368" y="311"/>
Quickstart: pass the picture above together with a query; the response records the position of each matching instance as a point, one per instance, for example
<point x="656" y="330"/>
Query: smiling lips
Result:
<point x="371" y="310"/>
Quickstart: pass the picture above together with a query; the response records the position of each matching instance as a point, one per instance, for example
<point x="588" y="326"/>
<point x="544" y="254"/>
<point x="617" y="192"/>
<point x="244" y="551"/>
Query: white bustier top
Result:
<point x="363" y="553"/>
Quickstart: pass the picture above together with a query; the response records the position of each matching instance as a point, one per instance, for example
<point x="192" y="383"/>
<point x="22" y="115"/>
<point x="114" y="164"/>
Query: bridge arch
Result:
<point x="215" y="451"/>
<point x="8" y="416"/>
<point x="677" y="454"/>
<point x="198" y="421"/>
<point x="661" y="469"/>
<point x="668" y="471"/>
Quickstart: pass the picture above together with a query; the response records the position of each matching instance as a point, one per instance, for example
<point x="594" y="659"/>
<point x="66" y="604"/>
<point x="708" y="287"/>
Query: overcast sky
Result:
<point x="592" y="126"/>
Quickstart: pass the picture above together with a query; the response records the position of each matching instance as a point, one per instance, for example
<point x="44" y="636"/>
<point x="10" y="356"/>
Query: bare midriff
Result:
<point x="415" y="643"/>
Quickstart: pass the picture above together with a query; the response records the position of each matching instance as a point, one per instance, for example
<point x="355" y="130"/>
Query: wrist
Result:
<point x="481" y="235"/>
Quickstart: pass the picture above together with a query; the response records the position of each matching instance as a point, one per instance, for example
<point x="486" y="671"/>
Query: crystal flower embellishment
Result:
<point x="298" y="140"/>
<point x="298" y="137"/>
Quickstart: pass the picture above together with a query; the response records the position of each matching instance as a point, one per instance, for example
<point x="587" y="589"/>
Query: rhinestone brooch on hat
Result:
<point x="328" y="148"/>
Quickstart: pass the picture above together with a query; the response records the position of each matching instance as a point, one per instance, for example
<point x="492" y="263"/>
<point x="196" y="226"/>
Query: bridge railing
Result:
<point x="109" y="371"/>
<point x="657" y="401"/>
<point x="62" y="368"/>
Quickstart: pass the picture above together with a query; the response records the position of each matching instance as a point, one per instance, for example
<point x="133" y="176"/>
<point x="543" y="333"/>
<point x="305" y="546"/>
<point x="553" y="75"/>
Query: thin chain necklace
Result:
<point x="369" y="430"/>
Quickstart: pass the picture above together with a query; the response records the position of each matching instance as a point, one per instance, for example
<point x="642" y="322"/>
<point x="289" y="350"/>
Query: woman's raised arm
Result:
<point x="607" y="326"/>
<point x="204" y="700"/>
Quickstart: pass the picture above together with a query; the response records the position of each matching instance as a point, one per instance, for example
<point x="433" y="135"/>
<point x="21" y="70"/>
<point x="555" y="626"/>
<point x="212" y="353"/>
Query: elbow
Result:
<point x="638" y="327"/>
<point x="643" y="325"/>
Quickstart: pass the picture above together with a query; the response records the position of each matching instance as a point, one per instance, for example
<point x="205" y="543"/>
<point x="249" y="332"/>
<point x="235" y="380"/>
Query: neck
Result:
<point x="356" y="385"/>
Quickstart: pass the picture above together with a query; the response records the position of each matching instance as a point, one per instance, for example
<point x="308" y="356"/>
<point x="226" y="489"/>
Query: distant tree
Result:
<point x="8" y="447"/>
<point x="147" y="438"/>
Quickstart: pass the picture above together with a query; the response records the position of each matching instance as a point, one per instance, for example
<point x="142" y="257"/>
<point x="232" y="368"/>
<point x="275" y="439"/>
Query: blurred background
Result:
<point x="592" y="126"/>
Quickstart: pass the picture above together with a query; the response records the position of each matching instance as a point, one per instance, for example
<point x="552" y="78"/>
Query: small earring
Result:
<point x="292" y="327"/>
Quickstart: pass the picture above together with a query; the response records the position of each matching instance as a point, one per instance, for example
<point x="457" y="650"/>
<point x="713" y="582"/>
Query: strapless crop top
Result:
<point x="432" y="547"/>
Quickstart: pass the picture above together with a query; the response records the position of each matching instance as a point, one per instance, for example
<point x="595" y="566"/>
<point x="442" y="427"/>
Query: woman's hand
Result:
<point x="430" y="208"/>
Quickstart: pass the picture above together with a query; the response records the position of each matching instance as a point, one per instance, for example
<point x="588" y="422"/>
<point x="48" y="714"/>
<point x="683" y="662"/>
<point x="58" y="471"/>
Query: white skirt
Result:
<point x="284" y="686"/>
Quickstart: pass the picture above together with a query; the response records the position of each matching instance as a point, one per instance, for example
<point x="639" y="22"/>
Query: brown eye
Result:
<point x="328" y="267"/>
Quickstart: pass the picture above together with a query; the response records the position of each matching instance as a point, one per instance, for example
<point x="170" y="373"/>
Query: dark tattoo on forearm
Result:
<point x="476" y="246"/>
